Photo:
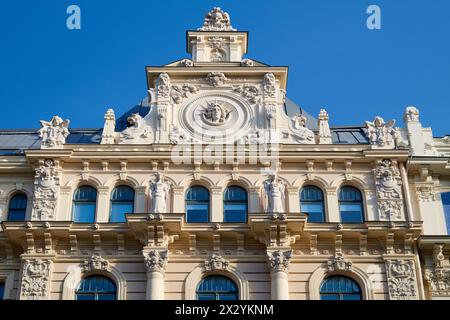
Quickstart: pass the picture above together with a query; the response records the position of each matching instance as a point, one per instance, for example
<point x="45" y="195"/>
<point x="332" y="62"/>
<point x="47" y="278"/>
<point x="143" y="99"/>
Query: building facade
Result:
<point x="217" y="186"/>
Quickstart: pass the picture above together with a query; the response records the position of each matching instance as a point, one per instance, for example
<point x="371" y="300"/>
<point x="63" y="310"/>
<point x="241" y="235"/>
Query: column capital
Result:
<point x="156" y="260"/>
<point x="279" y="260"/>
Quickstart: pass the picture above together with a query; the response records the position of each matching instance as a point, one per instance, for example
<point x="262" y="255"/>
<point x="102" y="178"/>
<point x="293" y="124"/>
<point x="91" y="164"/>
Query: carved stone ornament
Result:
<point x="163" y="85"/>
<point x="137" y="131"/>
<point x="178" y="136"/>
<point x="187" y="63"/>
<point x="216" y="263"/>
<point x="381" y="134"/>
<point x="275" y="191"/>
<point x="54" y="132"/>
<point x="269" y="85"/>
<point x="247" y="63"/>
<point x="95" y="263"/>
<point x="156" y="260"/>
<point x="249" y="92"/>
<point x="389" y="192"/>
<point x="279" y="260"/>
<point x="338" y="263"/>
<point x="46" y="188"/>
<point x="438" y="275"/>
<point x="215" y="113"/>
<point x="178" y="93"/>
<point x="217" y="20"/>
<point x="401" y="279"/>
<point x="426" y="192"/>
<point x="412" y="114"/>
<point x="301" y="132"/>
<point x="216" y="79"/>
<point x="159" y="190"/>
<point x="35" y="279"/>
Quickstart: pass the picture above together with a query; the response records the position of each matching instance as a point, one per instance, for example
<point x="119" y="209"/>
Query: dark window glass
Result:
<point x="311" y="203"/>
<point x="351" y="205"/>
<point x="235" y="205"/>
<point x="446" y="202"/>
<point x="17" y="208"/>
<point x="2" y="290"/>
<point x="122" y="202"/>
<point x="340" y="288"/>
<point x="197" y="205"/>
<point x="96" y="288"/>
<point x="84" y="205"/>
<point x="217" y="288"/>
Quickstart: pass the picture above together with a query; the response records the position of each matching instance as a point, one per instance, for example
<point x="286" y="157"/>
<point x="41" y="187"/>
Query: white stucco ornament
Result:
<point x="412" y="114"/>
<point x="137" y="132"/>
<point x="159" y="193"/>
<point x="300" y="131"/>
<point x="54" y="132"/>
<point x="215" y="113"/>
<point x="380" y="133"/>
<point x="217" y="20"/>
<point x="275" y="191"/>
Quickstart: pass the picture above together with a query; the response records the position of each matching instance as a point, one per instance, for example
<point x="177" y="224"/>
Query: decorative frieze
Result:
<point x="401" y="279"/>
<point x="249" y="92"/>
<point x="35" y="279"/>
<point x="279" y="260"/>
<point x="216" y="263"/>
<point x="156" y="260"/>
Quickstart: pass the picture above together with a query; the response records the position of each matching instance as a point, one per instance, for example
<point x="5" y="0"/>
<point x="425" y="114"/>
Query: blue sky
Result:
<point x="335" y="61"/>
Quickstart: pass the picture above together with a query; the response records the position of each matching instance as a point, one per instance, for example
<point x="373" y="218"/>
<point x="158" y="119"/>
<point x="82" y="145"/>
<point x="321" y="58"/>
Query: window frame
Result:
<point x="341" y="294"/>
<point x="324" y="213"/>
<point x="96" y="294"/>
<point x="361" y="202"/>
<point x="75" y="202"/>
<point x="198" y="202"/>
<point x="25" y="209"/>
<point x="217" y="294"/>
<point x="235" y="202"/>
<point x="112" y="202"/>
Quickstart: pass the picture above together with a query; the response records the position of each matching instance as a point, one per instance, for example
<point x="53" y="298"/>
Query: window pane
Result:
<point x="351" y="297"/>
<point x="84" y="212"/>
<point x="351" y="213"/>
<point x="340" y="288"/>
<point x="314" y="211"/>
<point x="17" y="208"/>
<point x="235" y="194"/>
<point x="228" y="297"/>
<point x="16" y="215"/>
<point x="329" y="297"/>
<point x="96" y="288"/>
<point x="311" y="193"/>
<point x="85" y="297"/>
<point x="197" y="213"/>
<point x="206" y="296"/>
<point x="118" y="211"/>
<point x="446" y="203"/>
<point x="235" y="213"/>
<point x="197" y="194"/>
<point x="349" y="194"/>
<point x="85" y="194"/>
<point x="123" y="193"/>
<point x="2" y="290"/>
<point x="217" y="288"/>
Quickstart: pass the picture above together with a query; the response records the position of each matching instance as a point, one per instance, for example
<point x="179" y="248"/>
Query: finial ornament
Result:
<point x="217" y="20"/>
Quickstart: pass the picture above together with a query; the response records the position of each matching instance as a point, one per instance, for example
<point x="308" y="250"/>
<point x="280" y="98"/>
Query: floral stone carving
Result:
<point x="279" y="260"/>
<point x="438" y="276"/>
<point x="389" y="192"/>
<point x="35" y="279"/>
<point x="217" y="20"/>
<point x="156" y="260"/>
<point x="46" y="188"/>
<point x="401" y="279"/>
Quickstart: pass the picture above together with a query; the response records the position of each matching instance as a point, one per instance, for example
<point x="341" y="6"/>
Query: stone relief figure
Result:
<point x="215" y="113"/>
<point x="380" y="133"/>
<point x="46" y="187"/>
<point x="388" y="180"/>
<point x="216" y="79"/>
<point x="177" y="136"/>
<point x="301" y="132"/>
<point x="275" y="191"/>
<point x="269" y="85"/>
<point x="160" y="194"/>
<point x="137" y="131"/>
<point x="54" y="132"/>
<point x="247" y="63"/>
<point x="35" y="279"/>
<point x="187" y="63"/>
<point x="178" y="93"/>
<point x="412" y="114"/>
<point x="163" y="85"/>
<point x="217" y="20"/>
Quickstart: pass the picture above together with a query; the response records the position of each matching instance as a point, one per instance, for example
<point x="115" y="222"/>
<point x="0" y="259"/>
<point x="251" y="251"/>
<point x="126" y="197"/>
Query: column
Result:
<point x="156" y="263"/>
<point x="102" y="205"/>
<point x="278" y="264"/>
<point x="254" y="203"/>
<point x="178" y="205"/>
<point x="332" y="204"/>
<point x="216" y="204"/>
<point x="293" y="200"/>
<point x="140" y="202"/>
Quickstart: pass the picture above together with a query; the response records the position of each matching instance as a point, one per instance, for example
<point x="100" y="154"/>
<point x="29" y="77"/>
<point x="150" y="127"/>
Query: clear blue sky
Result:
<point x="335" y="61"/>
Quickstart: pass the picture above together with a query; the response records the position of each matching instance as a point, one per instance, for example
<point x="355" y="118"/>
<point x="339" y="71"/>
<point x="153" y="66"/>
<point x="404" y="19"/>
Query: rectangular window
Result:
<point x="446" y="203"/>
<point x="197" y="213"/>
<point x="84" y="213"/>
<point x="235" y="213"/>
<point x="314" y="211"/>
<point x="351" y="213"/>
<point x="2" y="290"/>
<point x="118" y="211"/>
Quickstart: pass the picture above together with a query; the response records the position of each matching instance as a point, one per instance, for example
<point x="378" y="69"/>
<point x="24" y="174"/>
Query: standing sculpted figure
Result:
<point x="54" y="132"/>
<point x="160" y="194"/>
<point x="275" y="194"/>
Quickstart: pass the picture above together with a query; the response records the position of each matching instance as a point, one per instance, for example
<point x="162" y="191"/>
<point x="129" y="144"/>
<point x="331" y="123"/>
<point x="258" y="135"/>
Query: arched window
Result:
<point x="340" y="288"/>
<point x="235" y="205"/>
<point x="351" y="205"/>
<point x="217" y="288"/>
<point x="17" y="207"/>
<point x="122" y="202"/>
<point x="84" y="205"/>
<point x="197" y="204"/>
<point x="96" y="288"/>
<point x="446" y="203"/>
<point x="311" y="203"/>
